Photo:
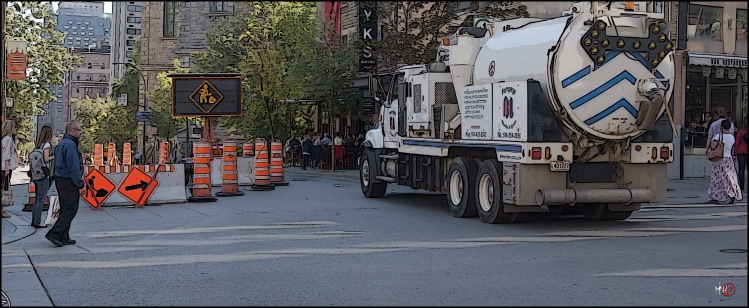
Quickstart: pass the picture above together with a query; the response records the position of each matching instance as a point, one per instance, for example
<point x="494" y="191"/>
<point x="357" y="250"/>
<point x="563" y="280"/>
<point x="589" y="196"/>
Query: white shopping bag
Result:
<point x="53" y="212"/>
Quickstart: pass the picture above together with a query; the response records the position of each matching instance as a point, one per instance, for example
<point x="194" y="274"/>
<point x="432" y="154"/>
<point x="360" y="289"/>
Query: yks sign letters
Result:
<point x="368" y="33"/>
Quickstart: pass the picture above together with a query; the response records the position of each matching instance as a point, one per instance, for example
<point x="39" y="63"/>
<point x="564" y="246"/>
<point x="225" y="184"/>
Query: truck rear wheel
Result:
<point x="600" y="211"/>
<point x="489" y="194"/>
<point x="460" y="182"/>
<point x="370" y="186"/>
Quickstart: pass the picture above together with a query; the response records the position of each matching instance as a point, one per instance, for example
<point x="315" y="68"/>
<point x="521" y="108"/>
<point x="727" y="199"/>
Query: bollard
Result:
<point x="229" y="175"/>
<point x="112" y="154"/>
<point x="276" y="163"/>
<point x="201" y="187"/>
<point x="28" y="207"/>
<point x="98" y="155"/>
<point x="164" y="153"/>
<point x="126" y="154"/>
<point x="262" y="173"/>
<point x="248" y="149"/>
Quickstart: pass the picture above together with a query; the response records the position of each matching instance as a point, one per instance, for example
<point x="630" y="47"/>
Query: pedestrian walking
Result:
<point x="306" y="151"/>
<point x="10" y="162"/>
<point x="715" y="127"/>
<point x="724" y="186"/>
<point x="740" y="149"/>
<point x="42" y="185"/>
<point x="69" y="183"/>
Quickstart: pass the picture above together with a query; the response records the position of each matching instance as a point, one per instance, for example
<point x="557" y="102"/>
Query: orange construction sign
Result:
<point x="138" y="187"/>
<point x="98" y="188"/>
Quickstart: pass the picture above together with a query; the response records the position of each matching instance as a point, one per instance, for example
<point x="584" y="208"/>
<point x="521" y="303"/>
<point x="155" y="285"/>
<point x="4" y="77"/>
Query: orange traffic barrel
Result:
<point x="229" y="175"/>
<point x="248" y="149"/>
<point x="126" y="159"/>
<point x="276" y="163"/>
<point x="262" y="171"/>
<point x="98" y="154"/>
<point x="164" y="153"/>
<point x="201" y="187"/>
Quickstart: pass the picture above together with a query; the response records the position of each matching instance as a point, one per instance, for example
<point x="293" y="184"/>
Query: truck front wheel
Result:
<point x="489" y="194"/>
<point x="460" y="182"/>
<point x="370" y="186"/>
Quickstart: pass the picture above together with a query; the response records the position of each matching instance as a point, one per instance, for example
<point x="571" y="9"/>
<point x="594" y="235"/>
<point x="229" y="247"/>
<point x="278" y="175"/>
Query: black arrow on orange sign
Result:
<point x="143" y="185"/>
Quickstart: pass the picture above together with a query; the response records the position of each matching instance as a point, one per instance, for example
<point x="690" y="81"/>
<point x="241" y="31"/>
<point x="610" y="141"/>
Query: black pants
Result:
<point x="69" y="197"/>
<point x="305" y="161"/>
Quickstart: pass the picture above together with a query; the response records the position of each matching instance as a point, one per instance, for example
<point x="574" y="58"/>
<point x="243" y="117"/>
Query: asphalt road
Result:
<point x="319" y="242"/>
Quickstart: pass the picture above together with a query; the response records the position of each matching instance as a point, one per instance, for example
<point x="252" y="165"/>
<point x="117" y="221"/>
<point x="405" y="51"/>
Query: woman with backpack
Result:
<point x="42" y="185"/>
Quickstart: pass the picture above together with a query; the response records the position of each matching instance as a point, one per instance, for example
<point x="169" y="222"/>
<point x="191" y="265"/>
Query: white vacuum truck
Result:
<point x="569" y="113"/>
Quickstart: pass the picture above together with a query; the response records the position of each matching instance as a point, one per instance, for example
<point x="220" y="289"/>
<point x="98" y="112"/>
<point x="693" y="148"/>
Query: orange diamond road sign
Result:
<point x="97" y="189"/>
<point x="138" y="187"/>
<point x="206" y="97"/>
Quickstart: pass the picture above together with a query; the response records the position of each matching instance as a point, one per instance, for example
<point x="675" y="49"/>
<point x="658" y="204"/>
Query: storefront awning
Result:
<point x="723" y="60"/>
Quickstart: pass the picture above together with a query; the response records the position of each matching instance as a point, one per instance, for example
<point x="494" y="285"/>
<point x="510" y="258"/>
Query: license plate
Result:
<point x="560" y="166"/>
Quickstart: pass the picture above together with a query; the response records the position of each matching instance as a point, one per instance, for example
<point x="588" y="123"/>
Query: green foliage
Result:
<point x="274" y="46"/>
<point x="103" y="122"/>
<point x="161" y="104"/>
<point x="47" y="63"/>
<point x="412" y="30"/>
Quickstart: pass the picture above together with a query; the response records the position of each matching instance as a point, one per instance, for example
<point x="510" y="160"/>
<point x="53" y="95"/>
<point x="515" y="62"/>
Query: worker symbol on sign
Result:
<point x="97" y="188"/>
<point x="206" y="96"/>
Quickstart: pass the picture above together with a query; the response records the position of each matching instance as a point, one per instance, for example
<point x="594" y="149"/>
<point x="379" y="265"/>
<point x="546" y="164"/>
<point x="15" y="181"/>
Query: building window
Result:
<point x="130" y="43"/>
<point x="170" y="18"/>
<point x="184" y="61"/>
<point x="705" y="22"/>
<point x="134" y="8"/>
<point x="219" y="6"/>
<point x="133" y="19"/>
<point x="133" y="31"/>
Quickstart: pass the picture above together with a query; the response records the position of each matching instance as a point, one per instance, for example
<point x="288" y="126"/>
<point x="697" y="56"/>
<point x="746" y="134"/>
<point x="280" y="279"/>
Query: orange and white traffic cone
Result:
<point x="201" y="187"/>
<point x="276" y="163"/>
<point x="229" y="175"/>
<point x="28" y="207"/>
<point x="262" y="173"/>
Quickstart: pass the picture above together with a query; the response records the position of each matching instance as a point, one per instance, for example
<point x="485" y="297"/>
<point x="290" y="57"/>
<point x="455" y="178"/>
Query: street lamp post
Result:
<point x="145" y="107"/>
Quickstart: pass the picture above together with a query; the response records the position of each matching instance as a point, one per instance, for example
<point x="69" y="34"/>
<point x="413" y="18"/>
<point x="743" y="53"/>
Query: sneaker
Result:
<point x="713" y="201"/>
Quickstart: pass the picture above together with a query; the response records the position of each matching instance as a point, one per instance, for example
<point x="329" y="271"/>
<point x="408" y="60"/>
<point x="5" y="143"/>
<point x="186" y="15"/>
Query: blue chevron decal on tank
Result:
<point x="622" y="103"/>
<point x="576" y="76"/>
<point x="625" y="75"/>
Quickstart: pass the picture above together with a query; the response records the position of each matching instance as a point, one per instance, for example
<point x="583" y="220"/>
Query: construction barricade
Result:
<point x="229" y="176"/>
<point x="276" y="163"/>
<point x="113" y="185"/>
<point x="201" y="187"/>
<point x="262" y="170"/>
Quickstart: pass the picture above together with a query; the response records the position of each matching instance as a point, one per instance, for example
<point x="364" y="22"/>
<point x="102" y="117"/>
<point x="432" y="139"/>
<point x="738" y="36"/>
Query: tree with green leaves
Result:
<point x="412" y="30"/>
<point x="161" y="104"/>
<point x="48" y="62"/>
<point x="266" y="44"/>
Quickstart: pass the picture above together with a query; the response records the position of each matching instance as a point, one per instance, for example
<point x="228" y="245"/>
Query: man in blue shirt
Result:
<point x="69" y="183"/>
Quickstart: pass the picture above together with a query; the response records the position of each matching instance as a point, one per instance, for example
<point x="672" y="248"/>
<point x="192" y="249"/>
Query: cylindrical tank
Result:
<point x="598" y="72"/>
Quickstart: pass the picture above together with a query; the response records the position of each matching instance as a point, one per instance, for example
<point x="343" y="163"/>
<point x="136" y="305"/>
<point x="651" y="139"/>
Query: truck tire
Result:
<point x="489" y="194"/>
<point x="460" y="182"/>
<point x="370" y="186"/>
<point x="600" y="211"/>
